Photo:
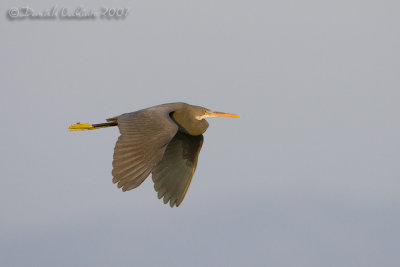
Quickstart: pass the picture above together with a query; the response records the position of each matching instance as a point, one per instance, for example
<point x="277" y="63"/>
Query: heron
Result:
<point x="164" y="140"/>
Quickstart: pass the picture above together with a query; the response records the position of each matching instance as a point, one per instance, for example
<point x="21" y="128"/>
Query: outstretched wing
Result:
<point x="173" y="174"/>
<point x="144" y="137"/>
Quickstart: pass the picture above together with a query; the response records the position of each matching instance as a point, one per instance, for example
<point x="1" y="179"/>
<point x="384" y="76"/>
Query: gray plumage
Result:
<point x="164" y="140"/>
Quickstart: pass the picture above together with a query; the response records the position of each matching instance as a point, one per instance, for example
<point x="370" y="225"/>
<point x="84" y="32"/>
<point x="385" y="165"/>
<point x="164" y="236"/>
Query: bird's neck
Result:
<point x="189" y="124"/>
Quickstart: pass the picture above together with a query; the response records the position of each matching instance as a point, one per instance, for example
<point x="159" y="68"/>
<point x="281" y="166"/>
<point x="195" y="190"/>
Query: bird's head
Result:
<point x="192" y="118"/>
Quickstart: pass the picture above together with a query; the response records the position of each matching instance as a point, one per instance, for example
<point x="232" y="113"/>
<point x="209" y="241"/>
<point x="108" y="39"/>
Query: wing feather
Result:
<point x="173" y="174"/>
<point x="144" y="137"/>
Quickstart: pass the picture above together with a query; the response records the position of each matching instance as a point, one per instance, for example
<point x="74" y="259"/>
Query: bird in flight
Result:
<point x="163" y="140"/>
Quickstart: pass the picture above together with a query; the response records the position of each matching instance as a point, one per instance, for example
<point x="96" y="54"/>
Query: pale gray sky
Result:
<point x="308" y="176"/>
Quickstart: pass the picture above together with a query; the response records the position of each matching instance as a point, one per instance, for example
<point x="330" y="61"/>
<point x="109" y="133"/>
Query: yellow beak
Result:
<point x="221" y="114"/>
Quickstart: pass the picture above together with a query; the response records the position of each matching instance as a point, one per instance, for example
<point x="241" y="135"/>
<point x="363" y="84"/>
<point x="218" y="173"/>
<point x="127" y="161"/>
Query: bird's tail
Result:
<point x="86" y="126"/>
